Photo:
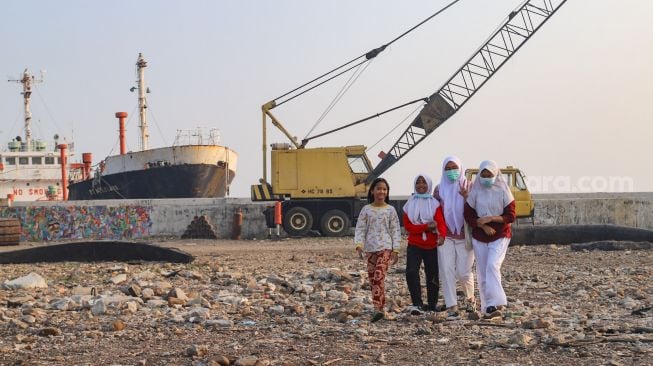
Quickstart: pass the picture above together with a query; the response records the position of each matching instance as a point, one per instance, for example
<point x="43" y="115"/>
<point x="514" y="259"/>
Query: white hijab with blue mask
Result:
<point x="421" y="207"/>
<point x="453" y="202"/>
<point x="489" y="196"/>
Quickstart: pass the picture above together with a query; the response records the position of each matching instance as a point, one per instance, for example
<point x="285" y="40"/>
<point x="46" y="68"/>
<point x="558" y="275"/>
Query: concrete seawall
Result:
<point x="131" y="219"/>
<point x="627" y="209"/>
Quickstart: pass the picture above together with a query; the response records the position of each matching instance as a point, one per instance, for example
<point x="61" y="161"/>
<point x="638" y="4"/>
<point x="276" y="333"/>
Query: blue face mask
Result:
<point x="453" y="174"/>
<point x="487" y="182"/>
<point x="422" y="195"/>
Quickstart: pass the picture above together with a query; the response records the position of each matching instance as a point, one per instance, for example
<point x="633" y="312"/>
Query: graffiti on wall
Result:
<point x="81" y="222"/>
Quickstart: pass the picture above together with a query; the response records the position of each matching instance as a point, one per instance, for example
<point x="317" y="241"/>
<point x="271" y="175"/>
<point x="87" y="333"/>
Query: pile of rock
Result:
<point x="199" y="228"/>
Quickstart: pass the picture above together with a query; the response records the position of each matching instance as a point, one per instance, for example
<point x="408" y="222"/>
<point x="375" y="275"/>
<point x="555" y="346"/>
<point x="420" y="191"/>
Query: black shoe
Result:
<point x="377" y="316"/>
<point x="429" y="307"/>
<point x="490" y="309"/>
<point x="415" y="310"/>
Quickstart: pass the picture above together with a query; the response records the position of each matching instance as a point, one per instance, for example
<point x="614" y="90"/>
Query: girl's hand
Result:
<point x="464" y="189"/>
<point x="488" y="230"/>
<point x="395" y="258"/>
<point x="360" y="252"/>
<point x="431" y="226"/>
<point x="440" y="241"/>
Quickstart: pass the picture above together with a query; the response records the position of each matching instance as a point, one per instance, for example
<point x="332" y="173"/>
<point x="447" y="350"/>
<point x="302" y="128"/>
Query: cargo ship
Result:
<point x="31" y="168"/>
<point x="195" y="166"/>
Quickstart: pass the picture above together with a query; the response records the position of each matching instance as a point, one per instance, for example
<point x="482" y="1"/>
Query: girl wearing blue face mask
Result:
<point x="455" y="259"/>
<point x="489" y="211"/>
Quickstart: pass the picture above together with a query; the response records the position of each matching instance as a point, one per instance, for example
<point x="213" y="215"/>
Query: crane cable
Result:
<point x="368" y="56"/>
<point x="354" y="77"/>
<point x="350" y="82"/>
<point x="395" y="127"/>
<point x="408" y="116"/>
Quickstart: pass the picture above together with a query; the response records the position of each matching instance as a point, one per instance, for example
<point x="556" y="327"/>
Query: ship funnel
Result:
<point x="64" y="171"/>
<point x="87" y="159"/>
<point x="121" y="120"/>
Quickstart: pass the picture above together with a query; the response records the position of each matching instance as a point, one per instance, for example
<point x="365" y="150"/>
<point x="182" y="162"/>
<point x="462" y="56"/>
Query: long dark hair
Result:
<point x="370" y="196"/>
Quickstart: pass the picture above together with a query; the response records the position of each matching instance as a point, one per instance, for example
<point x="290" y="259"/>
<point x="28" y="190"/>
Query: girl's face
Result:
<point x="421" y="186"/>
<point x="380" y="192"/>
<point x="486" y="174"/>
<point x="450" y="165"/>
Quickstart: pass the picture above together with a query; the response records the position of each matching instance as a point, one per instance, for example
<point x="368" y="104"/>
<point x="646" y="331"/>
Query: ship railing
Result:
<point x="198" y="136"/>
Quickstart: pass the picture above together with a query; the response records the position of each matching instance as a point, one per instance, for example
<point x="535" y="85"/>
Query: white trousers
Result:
<point x="455" y="262"/>
<point x="489" y="257"/>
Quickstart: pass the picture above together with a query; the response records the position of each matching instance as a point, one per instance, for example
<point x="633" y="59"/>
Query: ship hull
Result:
<point x="175" y="181"/>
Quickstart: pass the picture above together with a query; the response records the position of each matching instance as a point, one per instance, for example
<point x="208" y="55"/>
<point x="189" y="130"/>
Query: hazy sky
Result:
<point x="571" y="108"/>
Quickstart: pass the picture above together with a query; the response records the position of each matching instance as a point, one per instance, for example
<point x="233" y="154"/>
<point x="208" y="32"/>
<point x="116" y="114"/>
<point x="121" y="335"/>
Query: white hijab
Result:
<point x="420" y="210"/>
<point x="490" y="201"/>
<point x="453" y="202"/>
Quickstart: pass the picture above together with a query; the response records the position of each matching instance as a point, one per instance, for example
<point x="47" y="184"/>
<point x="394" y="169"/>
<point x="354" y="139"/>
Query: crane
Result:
<point x="323" y="188"/>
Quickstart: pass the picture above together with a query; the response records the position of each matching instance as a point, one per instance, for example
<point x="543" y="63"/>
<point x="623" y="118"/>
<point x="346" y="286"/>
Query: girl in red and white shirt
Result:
<point x="489" y="211"/>
<point x="426" y="229"/>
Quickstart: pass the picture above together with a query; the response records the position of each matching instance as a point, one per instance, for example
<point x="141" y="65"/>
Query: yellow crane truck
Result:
<point x="324" y="188"/>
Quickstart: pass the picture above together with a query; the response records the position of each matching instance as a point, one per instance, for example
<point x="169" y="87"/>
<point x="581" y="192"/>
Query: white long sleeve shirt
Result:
<point x="378" y="229"/>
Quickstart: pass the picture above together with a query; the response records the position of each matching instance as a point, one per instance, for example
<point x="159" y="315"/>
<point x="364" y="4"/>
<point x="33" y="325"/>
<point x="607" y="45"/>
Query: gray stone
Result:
<point x="32" y="280"/>
<point x="224" y="323"/>
<point x="536" y="324"/>
<point x="247" y="361"/>
<point x="520" y="339"/>
<point x="131" y="307"/>
<point x="99" y="307"/>
<point x="64" y="304"/>
<point x="147" y="294"/>
<point x="50" y="331"/>
<point x="337" y="295"/>
<point x="156" y="303"/>
<point x="197" y="315"/>
<point x="178" y="293"/>
<point x="29" y="319"/>
<point x="119" y="278"/>
<point x="145" y="275"/>
<point x="82" y="290"/>
<point x="16" y="301"/>
<point x="197" y="350"/>
<point x="134" y="290"/>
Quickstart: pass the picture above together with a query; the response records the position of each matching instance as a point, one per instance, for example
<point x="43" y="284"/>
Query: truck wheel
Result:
<point x="297" y="221"/>
<point x="334" y="223"/>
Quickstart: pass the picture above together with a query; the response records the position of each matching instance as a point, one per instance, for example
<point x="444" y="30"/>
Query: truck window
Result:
<point x="358" y="165"/>
<point x="519" y="182"/>
<point x="508" y="178"/>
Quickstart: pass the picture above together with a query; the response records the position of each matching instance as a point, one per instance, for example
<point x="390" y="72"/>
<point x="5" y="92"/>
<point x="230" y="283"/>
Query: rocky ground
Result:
<point x="306" y="302"/>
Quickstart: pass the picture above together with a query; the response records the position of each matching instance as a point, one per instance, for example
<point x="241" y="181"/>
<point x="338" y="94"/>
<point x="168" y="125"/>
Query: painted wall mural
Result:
<point x="81" y="222"/>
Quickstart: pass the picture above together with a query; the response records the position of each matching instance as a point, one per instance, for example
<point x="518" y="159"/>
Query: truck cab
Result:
<point x="524" y="206"/>
<point x="319" y="189"/>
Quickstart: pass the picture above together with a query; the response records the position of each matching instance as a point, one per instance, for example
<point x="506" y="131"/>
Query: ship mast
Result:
<point x="141" y="64"/>
<point x="27" y="80"/>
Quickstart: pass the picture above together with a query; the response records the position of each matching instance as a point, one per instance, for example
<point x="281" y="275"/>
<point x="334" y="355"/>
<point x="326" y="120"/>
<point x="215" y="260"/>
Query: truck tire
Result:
<point x="298" y="221"/>
<point x="334" y="223"/>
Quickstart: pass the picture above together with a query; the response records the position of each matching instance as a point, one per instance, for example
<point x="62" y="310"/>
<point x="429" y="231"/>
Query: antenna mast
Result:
<point x="27" y="80"/>
<point x="141" y="64"/>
